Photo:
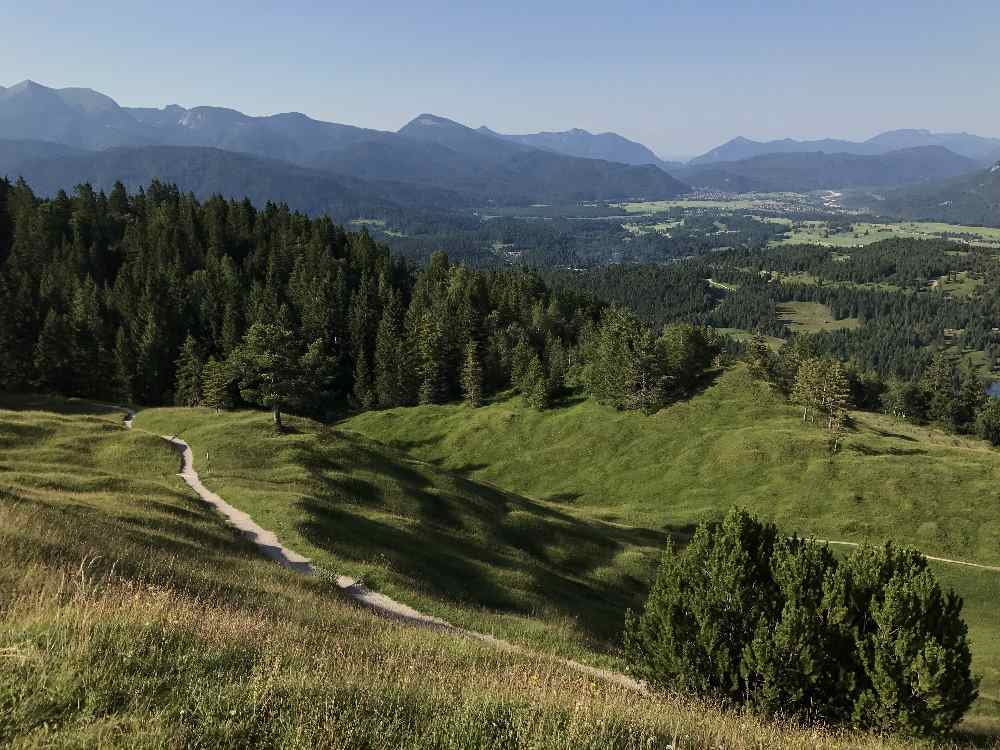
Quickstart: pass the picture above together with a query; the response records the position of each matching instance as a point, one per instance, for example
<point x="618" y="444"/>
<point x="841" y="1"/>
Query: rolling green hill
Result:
<point x="736" y="444"/>
<point x="130" y="615"/>
<point x="467" y="551"/>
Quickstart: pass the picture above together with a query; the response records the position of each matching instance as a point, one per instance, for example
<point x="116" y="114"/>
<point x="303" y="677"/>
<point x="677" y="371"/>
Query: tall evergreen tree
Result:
<point x="54" y="356"/>
<point x="472" y="377"/>
<point x="6" y="221"/>
<point x="364" y="390"/>
<point x="216" y="385"/>
<point x="389" y="365"/>
<point x="188" y="388"/>
<point x="267" y="368"/>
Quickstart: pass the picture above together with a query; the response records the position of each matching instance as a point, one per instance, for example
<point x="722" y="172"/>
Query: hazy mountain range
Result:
<point x="577" y="142"/>
<point x="56" y="138"/>
<point x="803" y="172"/>
<point x="975" y="147"/>
<point x="429" y="151"/>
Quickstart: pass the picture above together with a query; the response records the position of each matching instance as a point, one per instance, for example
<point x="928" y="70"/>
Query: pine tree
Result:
<point x="807" y="387"/>
<point x="364" y="391"/>
<point x="472" y="377"/>
<point x="216" y="385"/>
<point x="433" y="386"/>
<point x="389" y="388"/>
<point x="759" y="358"/>
<point x="53" y="354"/>
<point x="535" y="384"/>
<point x="268" y="368"/>
<point x="835" y="394"/>
<point x="188" y="389"/>
<point x="123" y="369"/>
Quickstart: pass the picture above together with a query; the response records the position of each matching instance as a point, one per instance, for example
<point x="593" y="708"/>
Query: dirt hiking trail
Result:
<point x="269" y="544"/>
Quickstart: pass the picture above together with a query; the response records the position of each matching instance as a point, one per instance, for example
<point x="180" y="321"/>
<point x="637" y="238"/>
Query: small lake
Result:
<point x="994" y="389"/>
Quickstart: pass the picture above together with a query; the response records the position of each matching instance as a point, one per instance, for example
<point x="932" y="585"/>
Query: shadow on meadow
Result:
<point x="467" y="542"/>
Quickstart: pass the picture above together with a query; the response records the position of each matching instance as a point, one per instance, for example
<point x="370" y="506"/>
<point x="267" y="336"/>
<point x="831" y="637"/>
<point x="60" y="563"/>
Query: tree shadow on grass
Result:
<point x="866" y="450"/>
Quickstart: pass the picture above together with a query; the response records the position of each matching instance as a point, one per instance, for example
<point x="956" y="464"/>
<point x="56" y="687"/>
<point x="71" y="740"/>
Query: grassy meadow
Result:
<point x="131" y="616"/>
<point x="812" y="317"/>
<point x="737" y="443"/>
<point x="477" y="555"/>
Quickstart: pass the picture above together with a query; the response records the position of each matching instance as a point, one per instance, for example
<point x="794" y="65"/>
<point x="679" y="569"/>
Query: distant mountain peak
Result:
<point x="27" y="85"/>
<point x="428" y="120"/>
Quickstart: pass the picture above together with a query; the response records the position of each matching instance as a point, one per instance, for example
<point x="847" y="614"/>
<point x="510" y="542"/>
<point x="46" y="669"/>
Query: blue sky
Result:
<point x="679" y="76"/>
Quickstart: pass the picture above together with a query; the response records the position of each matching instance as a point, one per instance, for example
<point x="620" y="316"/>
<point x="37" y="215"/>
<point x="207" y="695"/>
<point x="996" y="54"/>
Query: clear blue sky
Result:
<point x="679" y="76"/>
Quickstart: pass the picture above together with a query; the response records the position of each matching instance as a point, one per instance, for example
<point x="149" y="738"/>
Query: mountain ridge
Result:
<point x="964" y="144"/>
<point x="483" y="168"/>
<point x="818" y="170"/>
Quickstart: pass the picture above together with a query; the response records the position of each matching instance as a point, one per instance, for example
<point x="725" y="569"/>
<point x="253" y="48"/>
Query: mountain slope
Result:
<point x="970" y="199"/>
<point x="581" y="143"/>
<point x="290" y="136"/>
<point x="802" y="172"/>
<point x="209" y="171"/>
<point x="495" y="169"/>
<point x="963" y="144"/>
<point x="74" y="117"/>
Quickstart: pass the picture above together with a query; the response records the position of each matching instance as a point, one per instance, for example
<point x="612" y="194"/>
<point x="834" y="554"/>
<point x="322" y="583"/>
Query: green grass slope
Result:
<point x="130" y="616"/>
<point x="464" y="550"/>
<point x="737" y="443"/>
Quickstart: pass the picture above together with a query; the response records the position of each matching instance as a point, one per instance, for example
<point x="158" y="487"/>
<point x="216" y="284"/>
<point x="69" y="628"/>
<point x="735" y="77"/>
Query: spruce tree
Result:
<point x="759" y="358"/>
<point x="807" y="388"/>
<point x="988" y="422"/>
<point x="472" y="377"/>
<point x="835" y="394"/>
<point x="433" y="385"/>
<point x="188" y="388"/>
<point x="535" y="384"/>
<point x="216" y="385"/>
<point x="53" y="357"/>
<point x="364" y="391"/>
<point x="6" y="222"/>
<point x="268" y="369"/>
<point x="389" y="388"/>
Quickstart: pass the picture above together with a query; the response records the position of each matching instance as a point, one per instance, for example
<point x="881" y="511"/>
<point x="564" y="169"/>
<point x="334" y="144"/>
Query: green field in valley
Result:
<point x="866" y="233"/>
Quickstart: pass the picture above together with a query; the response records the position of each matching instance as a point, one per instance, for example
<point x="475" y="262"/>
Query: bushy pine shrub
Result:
<point x="748" y="616"/>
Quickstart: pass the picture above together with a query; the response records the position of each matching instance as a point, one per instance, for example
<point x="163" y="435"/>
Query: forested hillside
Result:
<point x="802" y="172"/>
<point x="970" y="199"/>
<point x="158" y="298"/>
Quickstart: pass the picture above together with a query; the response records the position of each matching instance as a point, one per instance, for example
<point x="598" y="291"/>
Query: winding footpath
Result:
<point x="380" y="604"/>
<point x="269" y="545"/>
<point x="994" y="568"/>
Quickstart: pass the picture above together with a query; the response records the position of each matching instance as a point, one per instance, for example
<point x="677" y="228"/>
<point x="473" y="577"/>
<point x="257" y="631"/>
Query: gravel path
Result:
<point x="380" y="604"/>
<point x="994" y="568"/>
<point x="269" y="544"/>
